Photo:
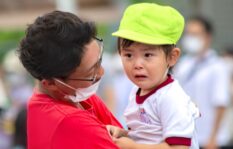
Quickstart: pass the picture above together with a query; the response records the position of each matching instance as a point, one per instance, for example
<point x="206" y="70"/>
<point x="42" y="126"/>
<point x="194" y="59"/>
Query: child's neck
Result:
<point x="146" y="91"/>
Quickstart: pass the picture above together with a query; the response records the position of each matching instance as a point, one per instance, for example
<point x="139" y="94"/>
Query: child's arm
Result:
<point x="126" y="143"/>
<point x="119" y="136"/>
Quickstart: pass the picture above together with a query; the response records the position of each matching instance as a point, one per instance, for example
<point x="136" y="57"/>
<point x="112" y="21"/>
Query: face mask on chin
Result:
<point x="81" y="94"/>
<point x="192" y="44"/>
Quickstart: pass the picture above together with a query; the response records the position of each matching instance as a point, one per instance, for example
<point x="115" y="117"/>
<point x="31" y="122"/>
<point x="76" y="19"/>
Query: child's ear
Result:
<point x="174" y="56"/>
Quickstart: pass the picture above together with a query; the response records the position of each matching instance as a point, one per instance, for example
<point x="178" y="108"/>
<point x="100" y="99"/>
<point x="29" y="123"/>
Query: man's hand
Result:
<point x="116" y="132"/>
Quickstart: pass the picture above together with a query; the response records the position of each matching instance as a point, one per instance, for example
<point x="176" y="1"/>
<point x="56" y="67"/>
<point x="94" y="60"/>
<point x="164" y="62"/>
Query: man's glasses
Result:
<point x="97" y="65"/>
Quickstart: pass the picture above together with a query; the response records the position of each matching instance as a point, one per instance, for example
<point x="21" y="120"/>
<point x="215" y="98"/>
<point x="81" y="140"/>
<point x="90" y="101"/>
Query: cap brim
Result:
<point x="142" y="38"/>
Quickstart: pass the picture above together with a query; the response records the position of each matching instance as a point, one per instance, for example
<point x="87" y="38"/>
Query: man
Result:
<point x="64" y="55"/>
<point x="204" y="76"/>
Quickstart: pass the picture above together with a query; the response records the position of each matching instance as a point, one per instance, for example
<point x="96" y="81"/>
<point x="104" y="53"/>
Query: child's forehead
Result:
<point x="141" y="46"/>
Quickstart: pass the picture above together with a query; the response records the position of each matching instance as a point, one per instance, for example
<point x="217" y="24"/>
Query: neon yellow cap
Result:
<point x="151" y="23"/>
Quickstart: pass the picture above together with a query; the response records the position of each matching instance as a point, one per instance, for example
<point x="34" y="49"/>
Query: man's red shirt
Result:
<point x="52" y="124"/>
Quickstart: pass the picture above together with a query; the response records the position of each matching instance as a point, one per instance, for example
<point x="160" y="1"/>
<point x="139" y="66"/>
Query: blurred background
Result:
<point x="16" y="85"/>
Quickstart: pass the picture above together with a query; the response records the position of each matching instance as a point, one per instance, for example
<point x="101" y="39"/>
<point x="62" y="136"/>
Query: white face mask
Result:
<point x="192" y="44"/>
<point x="81" y="94"/>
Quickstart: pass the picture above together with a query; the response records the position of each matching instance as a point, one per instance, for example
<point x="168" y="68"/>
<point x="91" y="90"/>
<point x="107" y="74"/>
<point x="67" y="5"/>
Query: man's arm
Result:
<point x="81" y="131"/>
<point x="119" y="136"/>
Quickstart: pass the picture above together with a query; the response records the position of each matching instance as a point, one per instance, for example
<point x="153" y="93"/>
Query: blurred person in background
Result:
<point x="19" y="88"/>
<point x="228" y="57"/>
<point x="4" y="139"/>
<point x="106" y="90"/>
<point x="63" y="53"/>
<point x="20" y="132"/>
<point x="3" y="97"/>
<point x="205" y="77"/>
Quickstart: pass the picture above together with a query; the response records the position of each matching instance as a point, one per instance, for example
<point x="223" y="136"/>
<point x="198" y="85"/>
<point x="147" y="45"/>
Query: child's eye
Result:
<point x="148" y="54"/>
<point x="127" y="55"/>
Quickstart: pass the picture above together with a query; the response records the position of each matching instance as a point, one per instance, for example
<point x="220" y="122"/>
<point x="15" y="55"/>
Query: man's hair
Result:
<point x="207" y="25"/>
<point x="54" y="44"/>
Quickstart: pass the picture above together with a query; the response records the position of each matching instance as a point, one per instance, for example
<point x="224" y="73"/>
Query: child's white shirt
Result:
<point x="166" y="115"/>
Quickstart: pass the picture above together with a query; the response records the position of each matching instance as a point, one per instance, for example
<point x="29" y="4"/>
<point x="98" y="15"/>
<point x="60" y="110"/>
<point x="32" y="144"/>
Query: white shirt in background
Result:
<point x="207" y="82"/>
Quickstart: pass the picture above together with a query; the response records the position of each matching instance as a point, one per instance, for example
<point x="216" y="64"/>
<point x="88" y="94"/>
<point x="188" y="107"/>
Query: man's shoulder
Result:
<point x="43" y="103"/>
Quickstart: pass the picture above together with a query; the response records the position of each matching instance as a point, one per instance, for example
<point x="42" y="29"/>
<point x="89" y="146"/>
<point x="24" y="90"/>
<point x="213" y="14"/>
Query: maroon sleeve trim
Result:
<point x="178" y="141"/>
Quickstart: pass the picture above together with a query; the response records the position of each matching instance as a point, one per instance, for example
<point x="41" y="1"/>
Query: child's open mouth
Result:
<point x="140" y="77"/>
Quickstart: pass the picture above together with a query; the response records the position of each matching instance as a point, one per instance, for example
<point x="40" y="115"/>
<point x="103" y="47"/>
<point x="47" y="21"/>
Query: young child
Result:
<point x="159" y="114"/>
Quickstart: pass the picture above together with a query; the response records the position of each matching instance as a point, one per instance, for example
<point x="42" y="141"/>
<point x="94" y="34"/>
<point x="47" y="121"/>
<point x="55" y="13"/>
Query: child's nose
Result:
<point x="138" y="63"/>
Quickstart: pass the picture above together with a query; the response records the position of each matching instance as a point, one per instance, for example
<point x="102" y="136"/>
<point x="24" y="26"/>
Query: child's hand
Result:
<point x="116" y="132"/>
<point x="125" y="143"/>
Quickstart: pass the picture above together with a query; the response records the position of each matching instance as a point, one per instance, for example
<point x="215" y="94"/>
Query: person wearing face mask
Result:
<point x="205" y="77"/>
<point x="63" y="53"/>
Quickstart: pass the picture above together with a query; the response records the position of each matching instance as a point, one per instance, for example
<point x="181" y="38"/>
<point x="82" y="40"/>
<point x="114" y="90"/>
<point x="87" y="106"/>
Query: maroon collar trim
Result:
<point x="141" y="99"/>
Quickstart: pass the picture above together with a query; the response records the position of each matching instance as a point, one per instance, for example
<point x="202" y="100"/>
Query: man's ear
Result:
<point x="174" y="56"/>
<point x="49" y="84"/>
